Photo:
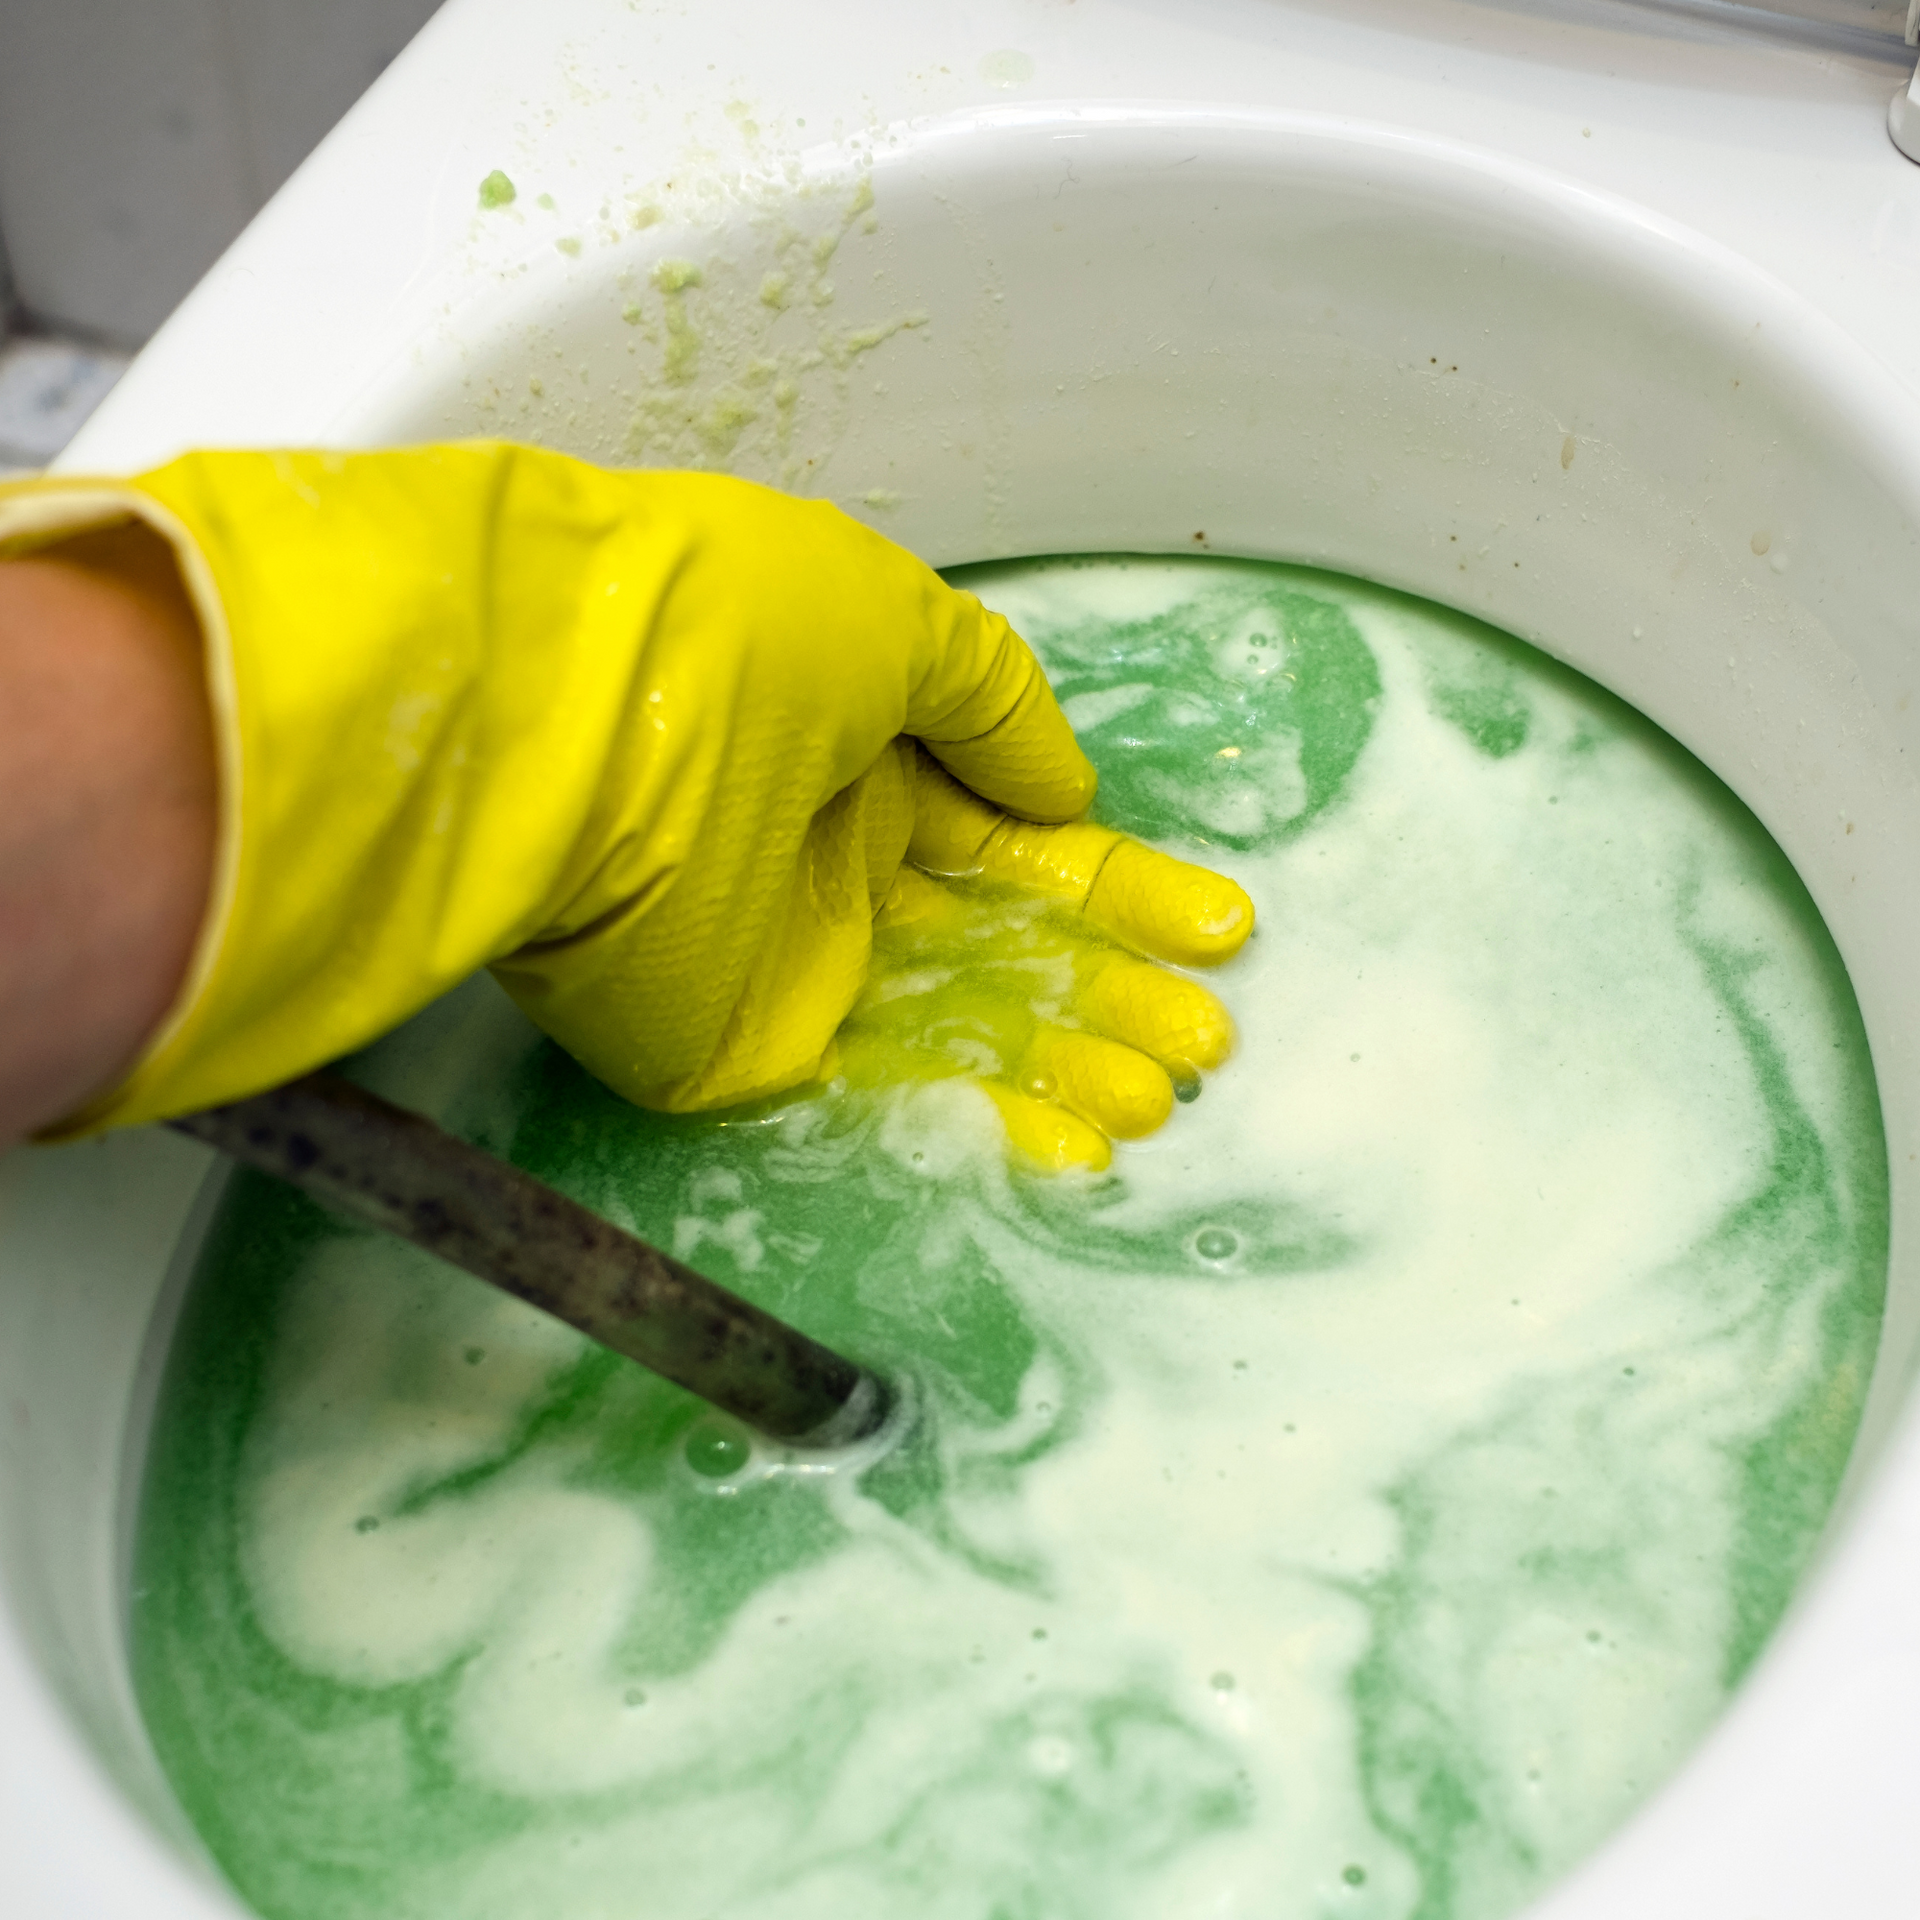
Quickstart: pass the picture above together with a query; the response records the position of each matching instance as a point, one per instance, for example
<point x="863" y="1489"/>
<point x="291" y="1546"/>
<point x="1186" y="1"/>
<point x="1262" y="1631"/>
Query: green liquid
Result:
<point x="1352" y="1505"/>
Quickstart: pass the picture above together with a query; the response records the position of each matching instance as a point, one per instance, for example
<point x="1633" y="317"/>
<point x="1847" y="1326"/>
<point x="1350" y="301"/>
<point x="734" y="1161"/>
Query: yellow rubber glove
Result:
<point x="1077" y="1041"/>
<point x="642" y="742"/>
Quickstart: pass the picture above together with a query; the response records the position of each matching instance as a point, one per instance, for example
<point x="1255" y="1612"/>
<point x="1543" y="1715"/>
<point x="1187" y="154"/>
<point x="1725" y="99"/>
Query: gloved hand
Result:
<point x="1077" y="1040"/>
<point x="644" y="743"/>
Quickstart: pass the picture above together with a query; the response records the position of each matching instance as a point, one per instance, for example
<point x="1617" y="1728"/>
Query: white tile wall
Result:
<point x="303" y="63"/>
<point x="137" y="137"/>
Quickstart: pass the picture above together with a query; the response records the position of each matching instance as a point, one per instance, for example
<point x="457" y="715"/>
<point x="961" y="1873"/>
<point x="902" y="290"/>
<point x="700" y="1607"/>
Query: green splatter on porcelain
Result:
<point x="1353" y="1505"/>
<point x="496" y="190"/>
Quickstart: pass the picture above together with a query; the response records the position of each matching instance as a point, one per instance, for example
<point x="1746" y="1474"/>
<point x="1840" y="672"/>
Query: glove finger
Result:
<point x="1049" y="1134"/>
<point x="1171" y="1019"/>
<point x="1187" y="915"/>
<point x="1041" y="1131"/>
<point x="956" y="833"/>
<point x="983" y="706"/>
<point x="1113" y="1087"/>
<point x="1165" y="907"/>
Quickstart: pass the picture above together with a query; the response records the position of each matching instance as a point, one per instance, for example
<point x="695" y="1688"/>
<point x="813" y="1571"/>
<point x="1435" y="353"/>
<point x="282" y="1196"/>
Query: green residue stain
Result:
<point x="728" y="414"/>
<point x="444" y="1615"/>
<point x="675" y="276"/>
<point x="569" y="244"/>
<point x="687" y="415"/>
<point x="681" y="362"/>
<point x="496" y="190"/>
<point x="546" y="201"/>
<point x="786" y="398"/>
<point x="859" y="340"/>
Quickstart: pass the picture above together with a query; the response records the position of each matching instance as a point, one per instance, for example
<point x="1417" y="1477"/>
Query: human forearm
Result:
<point x="107" y="815"/>
<point x="645" y="744"/>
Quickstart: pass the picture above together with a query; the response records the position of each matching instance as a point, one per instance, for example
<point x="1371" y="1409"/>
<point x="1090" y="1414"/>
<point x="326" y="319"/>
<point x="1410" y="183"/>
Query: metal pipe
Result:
<point x="396" y="1170"/>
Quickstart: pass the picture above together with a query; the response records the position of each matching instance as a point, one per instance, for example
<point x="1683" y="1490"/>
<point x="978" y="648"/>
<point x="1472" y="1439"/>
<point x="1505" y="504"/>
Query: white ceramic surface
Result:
<point x="1600" y="329"/>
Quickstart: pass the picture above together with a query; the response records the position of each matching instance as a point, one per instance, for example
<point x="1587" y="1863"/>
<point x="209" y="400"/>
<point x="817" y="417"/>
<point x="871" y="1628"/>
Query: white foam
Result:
<point x="1478" y="1039"/>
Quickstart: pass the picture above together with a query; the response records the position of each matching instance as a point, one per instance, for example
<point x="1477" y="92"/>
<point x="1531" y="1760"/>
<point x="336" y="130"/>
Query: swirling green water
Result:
<point x="1349" y="1507"/>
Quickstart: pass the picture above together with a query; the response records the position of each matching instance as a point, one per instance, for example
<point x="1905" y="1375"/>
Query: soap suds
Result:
<point x="1356" y="1503"/>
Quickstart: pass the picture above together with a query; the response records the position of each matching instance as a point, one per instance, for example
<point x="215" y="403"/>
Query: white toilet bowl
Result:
<point x="1091" y="307"/>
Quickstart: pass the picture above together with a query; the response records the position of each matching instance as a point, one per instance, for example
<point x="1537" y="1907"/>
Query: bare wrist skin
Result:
<point x="108" y="814"/>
